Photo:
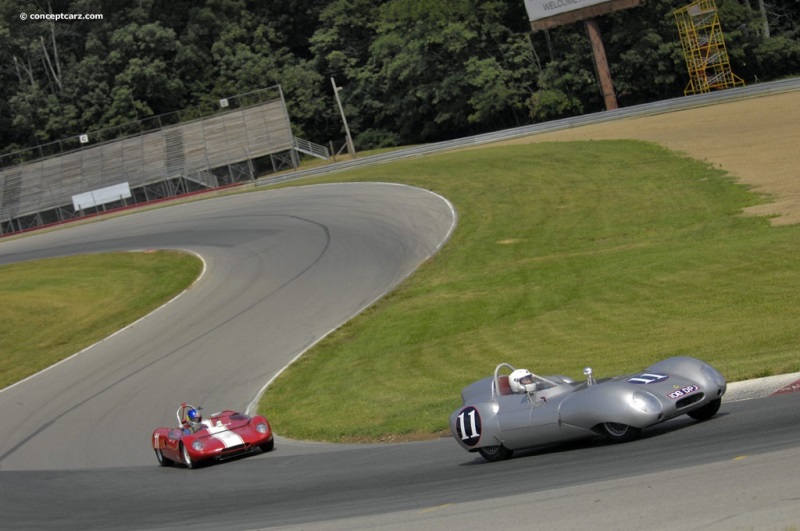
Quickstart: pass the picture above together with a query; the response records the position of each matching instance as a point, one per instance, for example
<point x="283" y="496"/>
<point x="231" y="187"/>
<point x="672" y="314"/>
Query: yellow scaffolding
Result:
<point x="704" y="48"/>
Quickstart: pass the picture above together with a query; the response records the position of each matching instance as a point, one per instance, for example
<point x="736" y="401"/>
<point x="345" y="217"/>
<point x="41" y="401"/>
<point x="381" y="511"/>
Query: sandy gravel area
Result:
<point x="756" y="140"/>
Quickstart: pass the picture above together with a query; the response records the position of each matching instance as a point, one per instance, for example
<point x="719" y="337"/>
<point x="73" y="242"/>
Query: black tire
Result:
<point x="495" y="453"/>
<point x="619" y="433"/>
<point x="707" y="411"/>
<point x="187" y="459"/>
<point x="267" y="446"/>
<point x="163" y="461"/>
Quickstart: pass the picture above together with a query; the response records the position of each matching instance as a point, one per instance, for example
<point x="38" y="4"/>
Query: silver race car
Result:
<point x="517" y="409"/>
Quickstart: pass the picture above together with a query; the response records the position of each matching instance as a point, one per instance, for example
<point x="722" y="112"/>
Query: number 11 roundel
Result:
<point x="468" y="426"/>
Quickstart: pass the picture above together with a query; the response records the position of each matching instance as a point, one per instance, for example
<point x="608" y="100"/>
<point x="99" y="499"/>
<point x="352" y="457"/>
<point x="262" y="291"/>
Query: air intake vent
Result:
<point x="689" y="400"/>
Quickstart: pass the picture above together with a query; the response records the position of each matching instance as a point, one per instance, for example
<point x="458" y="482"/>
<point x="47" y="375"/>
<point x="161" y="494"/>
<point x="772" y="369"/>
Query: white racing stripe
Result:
<point x="226" y="436"/>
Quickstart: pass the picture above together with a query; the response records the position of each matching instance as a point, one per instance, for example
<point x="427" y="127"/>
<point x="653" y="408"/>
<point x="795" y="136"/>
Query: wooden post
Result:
<point x="603" y="72"/>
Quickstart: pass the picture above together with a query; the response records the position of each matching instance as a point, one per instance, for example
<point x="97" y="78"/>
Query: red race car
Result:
<point x="225" y="434"/>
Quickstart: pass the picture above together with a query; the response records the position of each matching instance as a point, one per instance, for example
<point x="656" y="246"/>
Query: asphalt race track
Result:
<point x="736" y="471"/>
<point x="283" y="268"/>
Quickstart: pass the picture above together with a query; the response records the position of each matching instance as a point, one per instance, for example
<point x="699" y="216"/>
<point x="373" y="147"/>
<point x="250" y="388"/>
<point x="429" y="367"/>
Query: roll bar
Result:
<point x="496" y="382"/>
<point x="181" y="413"/>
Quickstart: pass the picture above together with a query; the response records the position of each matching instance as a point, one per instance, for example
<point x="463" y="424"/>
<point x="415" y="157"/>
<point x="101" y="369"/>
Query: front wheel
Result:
<point x="707" y="411"/>
<point x="619" y="433"/>
<point x="495" y="453"/>
<point x="187" y="459"/>
<point x="163" y="461"/>
<point x="267" y="446"/>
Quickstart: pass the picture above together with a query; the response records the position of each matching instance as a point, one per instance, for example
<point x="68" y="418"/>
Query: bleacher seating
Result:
<point x="190" y="150"/>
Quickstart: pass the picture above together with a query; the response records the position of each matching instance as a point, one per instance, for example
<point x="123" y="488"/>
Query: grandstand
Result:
<point x="244" y="136"/>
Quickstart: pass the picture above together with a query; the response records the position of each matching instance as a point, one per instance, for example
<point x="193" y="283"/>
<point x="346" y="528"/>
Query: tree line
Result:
<point x="412" y="71"/>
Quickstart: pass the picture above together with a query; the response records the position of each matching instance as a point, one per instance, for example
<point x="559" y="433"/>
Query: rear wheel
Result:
<point x="187" y="459"/>
<point x="495" y="453"/>
<point x="707" y="411"/>
<point x="163" y="461"/>
<point x="619" y="433"/>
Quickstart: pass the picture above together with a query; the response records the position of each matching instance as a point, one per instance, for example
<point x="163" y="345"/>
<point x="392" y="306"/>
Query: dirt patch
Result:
<point x="756" y="140"/>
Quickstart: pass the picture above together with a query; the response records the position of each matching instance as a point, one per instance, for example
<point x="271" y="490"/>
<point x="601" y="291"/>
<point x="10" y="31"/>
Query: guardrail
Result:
<point x="647" y="109"/>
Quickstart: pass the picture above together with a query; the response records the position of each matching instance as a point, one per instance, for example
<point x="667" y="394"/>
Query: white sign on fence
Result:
<point x="101" y="196"/>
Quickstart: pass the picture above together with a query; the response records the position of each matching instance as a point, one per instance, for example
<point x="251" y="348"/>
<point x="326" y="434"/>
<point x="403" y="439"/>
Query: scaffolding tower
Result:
<point x="704" y="48"/>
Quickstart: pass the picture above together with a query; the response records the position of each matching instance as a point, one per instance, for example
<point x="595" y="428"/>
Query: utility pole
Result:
<point x="350" y="148"/>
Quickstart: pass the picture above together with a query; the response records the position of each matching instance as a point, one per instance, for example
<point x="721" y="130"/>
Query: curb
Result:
<point x="762" y="387"/>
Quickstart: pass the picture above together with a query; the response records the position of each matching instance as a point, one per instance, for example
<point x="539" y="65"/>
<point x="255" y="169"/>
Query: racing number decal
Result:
<point x="648" y="378"/>
<point x="468" y="426"/>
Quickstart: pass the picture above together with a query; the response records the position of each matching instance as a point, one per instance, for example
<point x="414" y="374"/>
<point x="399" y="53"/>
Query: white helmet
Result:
<point x="521" y="381"/>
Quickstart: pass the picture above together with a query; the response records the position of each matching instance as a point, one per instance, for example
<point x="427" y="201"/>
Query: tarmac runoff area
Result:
<point x="761" y="387"/>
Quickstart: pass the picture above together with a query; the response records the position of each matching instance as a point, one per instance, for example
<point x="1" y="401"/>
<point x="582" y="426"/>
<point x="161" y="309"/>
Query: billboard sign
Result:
<point x="539" y="9"/>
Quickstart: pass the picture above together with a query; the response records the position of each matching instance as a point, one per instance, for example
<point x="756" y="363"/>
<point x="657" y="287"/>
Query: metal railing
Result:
<point x="310" y="148"/>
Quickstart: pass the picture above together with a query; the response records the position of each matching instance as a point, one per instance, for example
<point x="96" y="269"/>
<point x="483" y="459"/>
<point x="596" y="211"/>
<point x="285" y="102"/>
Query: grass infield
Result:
<point x="612" y="254"/>
<point x="51" y="309"/>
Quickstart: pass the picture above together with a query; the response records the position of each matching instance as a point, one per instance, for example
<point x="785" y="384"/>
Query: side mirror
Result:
<point x="589" y="378"/>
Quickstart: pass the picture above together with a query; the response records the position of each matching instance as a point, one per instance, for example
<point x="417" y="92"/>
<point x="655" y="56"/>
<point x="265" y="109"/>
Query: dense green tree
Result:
<point x="420" y="71"/>
<point x="292" y="22"/>
<point x="342" y="41"/>
<point x="567" y="84"/>
<point x="781" y="17"/>
<point x="249" y="54"/>
<point x="341" y="48"/>
<point x="646" y="55"/>
<point x="141" y="61"/>
<point x="412" y="70"/>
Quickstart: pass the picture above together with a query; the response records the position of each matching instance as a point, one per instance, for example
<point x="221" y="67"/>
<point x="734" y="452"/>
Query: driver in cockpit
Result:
<point x="522" y="381"/>
<point x="193" y="421"/>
